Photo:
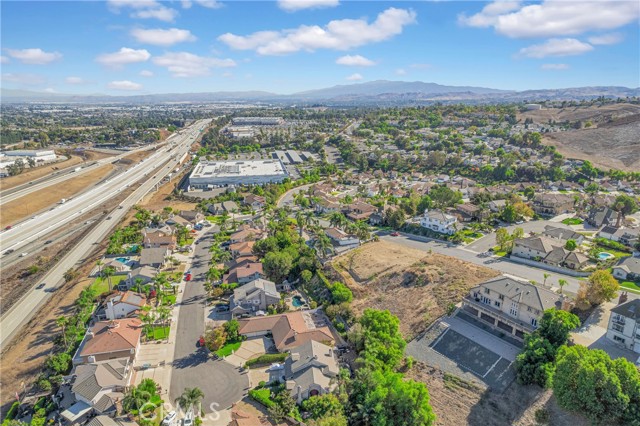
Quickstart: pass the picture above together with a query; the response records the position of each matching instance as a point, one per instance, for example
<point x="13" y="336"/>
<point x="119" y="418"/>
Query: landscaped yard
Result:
<point x="228" y="349"/>
<point x="169" y="299"/>
<point x="158" y="332"/>
<point x="630" y="285"/>
<point x="101" y="285"/>
<point x="572" y="221"/>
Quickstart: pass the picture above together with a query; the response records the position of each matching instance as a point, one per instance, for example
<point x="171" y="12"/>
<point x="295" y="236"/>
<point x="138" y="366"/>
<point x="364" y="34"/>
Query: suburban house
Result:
<point x="246" y="233"/>
<point x="468" y="212"/>
<point x="602" y="216"/>
<point x="159" y="239"/>
<point x="340" y="237"/>
<point x="154" y="257"/>
<point x="243" y="248"/>
<point x="123" y="304"/>
<point x="359" y="211"/>
<point x="289" y="330"/>
<point x="624" y="325"/>
<point x="254" y="296"/>
<point x="553" y="204"/>
<point x="327" y="205"/>
<point x="563" y="234"/>
<point x="548" y="250"/>
<point x="308" y="371"/>
<point x="225" y="206"/>
<point x="192" y="216"/>
<point x="511" y="306"/>
<point x="439" y="222"/>
<point x="110" y="340"/>
<point x="496" y="206"/>
<point x="243" y="272"/>
<point x="627" y="268"/>
<point x="626" y="236"/>
<point x="255" y="202"/>
<point x="100" y="385"/>
<point x="108" y="421"/>
<point x="144" y="274"/>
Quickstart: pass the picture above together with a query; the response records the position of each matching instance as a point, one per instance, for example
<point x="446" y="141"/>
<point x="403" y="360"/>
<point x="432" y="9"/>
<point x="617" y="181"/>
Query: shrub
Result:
<point x="13" y="411"/>
<point x="263" y="396"/>
<point x="542" y="416"/>
<point x="265" y="359"/>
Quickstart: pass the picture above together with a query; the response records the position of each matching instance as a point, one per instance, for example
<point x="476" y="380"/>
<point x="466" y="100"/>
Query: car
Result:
<point x="9" y="251"/>
<point x="169" y="419"/>
<point x="222" y="308"/>
<point x="395" y="234"/>
<point x="188" y="418"/>
<point x="520" y="222"/>
<point x="7" y="227"/>
<point x="121" y="207"/>
<point x="23" y="254"/>
<point x="40" y="286"/>
<point x="48" y="241"/>
<point x="108" y="217"/>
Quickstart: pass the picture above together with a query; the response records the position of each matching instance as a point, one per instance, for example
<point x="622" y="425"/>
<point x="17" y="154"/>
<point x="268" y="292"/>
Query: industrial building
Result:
<point x="212" y="174"/>
<point x="38" y="155"/>
<point x="257" y="121"/>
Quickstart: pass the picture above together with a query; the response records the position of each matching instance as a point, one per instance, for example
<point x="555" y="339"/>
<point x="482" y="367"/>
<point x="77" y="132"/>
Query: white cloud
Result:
<point x="162" y="37"/>
<point x="401" y="71"/>
<point x="554" y="67"/>
<point x="295" y="5"/>
<point x="556" y="47"/>
<point x="161" y="13"/>
<point x="123" y="56"/>
<point x="612" y="38"/>
<point x="124" y="85"/>
<point x="553" y="18"/>
<point x="144" y="9"/>
<point x="75" y="80"/>
<point x="186" y="4"/>
<point x="340" y="34"/>
<point x="116" y="5"/>
<point x="23" y="79"/>
<point x="146" y="73"/>
<point x="184" y="64"/>
<point x="4" y="59"/>
<point x="354" y="61"/>
<point x="355" y="77"/>
<point x="34" y="56"/>
<point x="227" y="74"/>
<point x="50" y="90"/>
<point x="209" y="4"/>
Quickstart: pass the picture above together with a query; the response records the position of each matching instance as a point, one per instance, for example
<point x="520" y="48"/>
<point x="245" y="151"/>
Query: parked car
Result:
<point x="222" y="308"/>
<point x="188" y="418"/>
<point x="395" y="234"/>
<point x="187" y="277"/>
<point x="40" y="286"/>
<point x="169" y="419"/>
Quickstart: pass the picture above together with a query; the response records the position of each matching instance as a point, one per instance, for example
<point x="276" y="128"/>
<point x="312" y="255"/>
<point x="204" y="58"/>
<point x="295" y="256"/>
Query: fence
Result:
<point x="548" y="267"/>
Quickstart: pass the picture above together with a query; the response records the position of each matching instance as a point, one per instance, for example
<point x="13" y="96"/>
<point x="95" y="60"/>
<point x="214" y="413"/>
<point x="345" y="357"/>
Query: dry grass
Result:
<point x="23" y="207"/>
<point x="137" y="156"/>
<point x="28" y="175"/>
<point x="456" y="402"/>
<point x="415" y="286"/>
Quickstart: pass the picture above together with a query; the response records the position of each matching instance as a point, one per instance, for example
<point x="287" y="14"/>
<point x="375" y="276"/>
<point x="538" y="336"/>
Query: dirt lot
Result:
<point x="612" y="141"/>
<point x="29" y="175"/>
<point x="415" y="287"/>
<point x="457" y="402"/>
<point x="23" y="207"/>
<point x="137" y="156"/>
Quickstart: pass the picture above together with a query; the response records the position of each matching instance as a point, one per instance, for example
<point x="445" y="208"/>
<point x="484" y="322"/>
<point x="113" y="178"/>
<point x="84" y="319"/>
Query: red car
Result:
<point x="395" y="234"/>
<point x="187" y="277"/>
<point x="8" y="227"/>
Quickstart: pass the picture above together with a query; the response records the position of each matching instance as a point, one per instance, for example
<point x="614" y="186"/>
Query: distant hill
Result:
<point x="380" y="92"/>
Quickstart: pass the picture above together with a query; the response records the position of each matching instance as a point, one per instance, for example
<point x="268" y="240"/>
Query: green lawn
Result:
<point x="616" y="253"/>
<point x="572" y="221"/>
<point x="101" y="285"/>
<point x="169" y="299"/>
<point x="630" y="285"/>
<point x="159" y="333"/>
<point x="228" y="348"/>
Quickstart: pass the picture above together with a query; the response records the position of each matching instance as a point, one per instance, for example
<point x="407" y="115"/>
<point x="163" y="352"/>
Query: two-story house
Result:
<point x="553" y="204"/>
<point x="254" y="296"/>
<point x="110" y="340"/>
<point x="255" y="202"/>
<point x="158" y="239"/>
<point x="511" y="306"/>
<point x="123" y="304"/>
<point x="439" y="222"/>
<point x="154" y="257"/>
<point x="101" y="385"/>
<point x="624" y="325"/>
<point x="627" y="268"/>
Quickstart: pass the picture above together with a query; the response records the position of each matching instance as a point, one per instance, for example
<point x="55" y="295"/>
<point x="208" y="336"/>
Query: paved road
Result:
<point x="287" y="197"/>
<point x="220" y="381"/>
<point x="502" y="265"/>
<point x="22" y="311"/>
<point x="485" y="243"/>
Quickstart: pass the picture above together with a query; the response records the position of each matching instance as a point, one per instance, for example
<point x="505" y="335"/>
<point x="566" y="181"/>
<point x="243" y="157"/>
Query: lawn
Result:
<point x="101" y="285"/>
<point x="572" y="221"/>
<point x="228" y="348"/>
<point x="169" y="299"/>
<point x="616" y="253"/>
<point x="159" y="332"/>
<point x="630" y="285"/>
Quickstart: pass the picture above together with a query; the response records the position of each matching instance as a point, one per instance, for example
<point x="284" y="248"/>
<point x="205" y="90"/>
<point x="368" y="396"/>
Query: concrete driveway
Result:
<point x="250" y="348"/>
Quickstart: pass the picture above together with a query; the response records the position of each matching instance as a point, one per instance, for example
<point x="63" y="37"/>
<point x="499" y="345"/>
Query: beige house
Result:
<point x="110" y="340"/>
<point x="511" y="306"/>
<point x="624" y="325"/>
<point x="254" y="296"/>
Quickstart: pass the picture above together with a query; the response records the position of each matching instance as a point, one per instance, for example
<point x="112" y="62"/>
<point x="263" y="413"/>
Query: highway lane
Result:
<point x="31" y="229"/>
<point x="21" y="312"/>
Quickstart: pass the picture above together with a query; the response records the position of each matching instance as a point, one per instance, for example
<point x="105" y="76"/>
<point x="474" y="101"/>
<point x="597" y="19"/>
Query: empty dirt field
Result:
<point x="28" y="175"/>
<point x="458" y="402"/>
<point x="21" y="208"/>
<point x="414" y="285"/>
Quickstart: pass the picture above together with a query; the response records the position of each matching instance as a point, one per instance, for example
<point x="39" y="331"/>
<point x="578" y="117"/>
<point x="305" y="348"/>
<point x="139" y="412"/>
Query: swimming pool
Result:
<point x="297" y="301"/>
<point x="122" y="259"/>
<point x="604" y="255"/>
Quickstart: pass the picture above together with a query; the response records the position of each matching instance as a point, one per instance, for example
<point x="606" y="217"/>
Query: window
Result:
<point x="618" y="327"/>
<point x="497" y="303"/>
<point x="534" y="322"/>
<point x="501" y="297"/>
<point x="618" y="318"/>
<point x="487" y="291"/>
<point x="618" y="339"/>
<point x="514" y="309"/>
<point x="485" y="300"/>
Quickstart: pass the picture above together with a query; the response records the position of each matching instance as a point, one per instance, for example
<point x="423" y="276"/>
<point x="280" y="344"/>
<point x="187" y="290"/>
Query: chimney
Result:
<point x="623" y="297"/>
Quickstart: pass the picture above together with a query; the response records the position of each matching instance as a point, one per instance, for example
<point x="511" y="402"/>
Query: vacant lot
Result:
<point x="595" y="114"/>
<point x="21" y="208"/>
<point x="459" y="402"/>
<point x="28" y="175"/>
<point x="414" y="285"/>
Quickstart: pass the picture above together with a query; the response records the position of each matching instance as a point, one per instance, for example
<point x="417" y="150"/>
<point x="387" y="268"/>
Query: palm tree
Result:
<point x="562" y="283"/>
<point x="337" y="219"/>
<point x="138" y="282"/>
<point x="108" y="273"/>
<point x="62" y="323"/>
<point x="545" y="278"/>
<point x="323" y="245"/>
<point x="134" y="400"/>
<point x="362" y="230"/>
<point x="99" y="264"/>
<point x="189" y="398"/>
<point x="301" y="219"/>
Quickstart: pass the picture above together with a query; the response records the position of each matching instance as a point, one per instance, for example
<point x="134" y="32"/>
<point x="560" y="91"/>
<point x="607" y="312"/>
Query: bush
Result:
<point x="611" y="244"/>
<point x="265" y="359"/>
<point x="11" y="414"/>
<point x="263" y="396"/>
<point x="542" y="416"/>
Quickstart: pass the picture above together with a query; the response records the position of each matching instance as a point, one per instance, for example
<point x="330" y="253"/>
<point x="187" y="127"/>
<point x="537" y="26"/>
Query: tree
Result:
<point x="338" y="220"/>
<point x="135" y="399"/>
<point x="335" y="420"/>
<point x="283" y="405"/>
<point x="562" y="283"/>
<point x="509" y="214"/>
<point x="232" y="328"/>
<point x="383" y="343"/>
<point x="216" y="338"/>
<point x="190" y="398"/>
<point x="323" y="245"/>
<point x="588" y="381"/>
<point x="277" y="265"/>
<point x="395" y="218"/>
<point x="546" y="277"/>
<point x="107" y="273"/>
<point x="323" y="405"/>
<point x="502" y="238"/>
<point x="340" y="293"/>
<point x="625" y="205"/>
<point x="62" y="323"/>
<point x="534" y="364"/>
<point x="522" y="210"/>
<point x="443" y="197"/>
<point x="60" y="363"/>
<point x="556" y="324"/>
<point x="602" y="286"/>
<point x="529" y="192"/>
<point x="571" y="245"/>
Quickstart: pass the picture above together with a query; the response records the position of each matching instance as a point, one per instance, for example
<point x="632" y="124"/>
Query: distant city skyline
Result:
<point x="122" y="47"/>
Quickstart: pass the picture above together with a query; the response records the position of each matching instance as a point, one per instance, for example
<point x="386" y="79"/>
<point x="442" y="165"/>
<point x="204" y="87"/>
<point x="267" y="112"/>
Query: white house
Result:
<point x="341" y="238"/>
<point x="627" y="269"/>
<point x="439" y="222"/>
<point x="624" y="325"/>
<point x="123" y="304"/>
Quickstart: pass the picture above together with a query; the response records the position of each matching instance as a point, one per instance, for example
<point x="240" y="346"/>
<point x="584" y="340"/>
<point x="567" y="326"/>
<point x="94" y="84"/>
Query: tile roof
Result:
<point x="629" y="265"/>
<point x="91" y="379"/>
<point x="152" y="256"/>
<point x="531" y="295"/>
<point x="630" y="309"/>
<point x="112" y="336"/>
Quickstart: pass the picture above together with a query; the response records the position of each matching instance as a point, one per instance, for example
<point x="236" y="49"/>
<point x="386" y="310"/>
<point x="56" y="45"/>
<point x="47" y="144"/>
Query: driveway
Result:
<point x="221" y="382"/>
<point x="250" y="348"/>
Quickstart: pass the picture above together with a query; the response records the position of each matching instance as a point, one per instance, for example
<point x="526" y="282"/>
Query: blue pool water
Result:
<point x="133" y="249"/>
<point x="604" y="255"/>
<point x="122" y="259"/>
<point x="297" y="301"/>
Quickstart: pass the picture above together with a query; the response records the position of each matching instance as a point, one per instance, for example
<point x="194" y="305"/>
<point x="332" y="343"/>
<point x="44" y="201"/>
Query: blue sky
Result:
<point x="149" y="46"/>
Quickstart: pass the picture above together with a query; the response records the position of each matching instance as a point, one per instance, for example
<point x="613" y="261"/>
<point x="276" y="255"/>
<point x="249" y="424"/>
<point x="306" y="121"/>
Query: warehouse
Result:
<point x="212" y="174"/>
<point x="40" y="156"/>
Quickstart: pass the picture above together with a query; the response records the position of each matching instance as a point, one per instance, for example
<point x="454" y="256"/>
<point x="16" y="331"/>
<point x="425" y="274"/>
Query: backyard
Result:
<point x="101" y="284"/>
<point x="157" y="332"/>
<point x="572" y="221"/>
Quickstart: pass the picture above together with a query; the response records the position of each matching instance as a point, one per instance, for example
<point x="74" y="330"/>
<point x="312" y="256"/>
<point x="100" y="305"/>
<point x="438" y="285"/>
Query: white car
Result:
<point x="169" y="419"/>
<point x="188" y="418"/>
<point x="23" y="254"/>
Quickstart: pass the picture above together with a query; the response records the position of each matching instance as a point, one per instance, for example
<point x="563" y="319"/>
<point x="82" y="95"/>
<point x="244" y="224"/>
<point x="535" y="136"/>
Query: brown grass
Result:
<point x="28" y="175"/>
<point x="23" y="207"/>
<point x="457" y="402"/>
<point x="414" y="285"/>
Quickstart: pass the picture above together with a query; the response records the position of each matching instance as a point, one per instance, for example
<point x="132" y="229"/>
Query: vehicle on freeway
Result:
<point x="121" y="207"/>
<point x="40" y="286"/>
<point x="108" y="217"/>
<point x="48" y="241"/>
<point x="9" y="251"/>
<point x="7" y="227"/>
<point x="23" y="254"/>
<point x="51" y="290"/>
<point x="395" y="234"/>
<point x="169" y="419"/>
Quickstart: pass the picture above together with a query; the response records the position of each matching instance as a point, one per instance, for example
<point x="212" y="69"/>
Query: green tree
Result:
<point x="190" y="398"/>
<point x="509" y="214"/>
<point x="323" y="405"/>
<point x="340" y="293"/>
<point x="277" y="265"/>
<point x="60" y="363"/>
<point x="529" y="192"/>
<point x="562" y="283"/>
<point x="383" y="343"/>
<point x="571" y="245"/>
<point x="503" y="239"/>
<point x="534" y="364"/>
<point x="602" y="286"/>
<point x="107" y="273"/>
<point x="556" y="324"/>
<point x="443" y="197"/>
<point x="283" y="405"/>
<point x="232" y="328"/>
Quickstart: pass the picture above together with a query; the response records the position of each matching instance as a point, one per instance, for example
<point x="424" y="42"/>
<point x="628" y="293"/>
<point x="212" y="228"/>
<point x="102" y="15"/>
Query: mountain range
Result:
<point x="380" y="92"/>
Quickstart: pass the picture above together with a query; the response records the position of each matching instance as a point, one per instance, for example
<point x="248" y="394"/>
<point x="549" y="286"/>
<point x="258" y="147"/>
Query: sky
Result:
<point x="285" y="46"/>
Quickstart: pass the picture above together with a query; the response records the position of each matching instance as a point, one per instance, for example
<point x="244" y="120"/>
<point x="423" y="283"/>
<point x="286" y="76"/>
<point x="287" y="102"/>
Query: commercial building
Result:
<point x="211" y="174"/>
<point x="257" y="121"/>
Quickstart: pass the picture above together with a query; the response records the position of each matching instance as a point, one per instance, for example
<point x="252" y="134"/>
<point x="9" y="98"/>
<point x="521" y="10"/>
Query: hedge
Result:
<point x="13" y="411"/>
<point x="612" y="244"/>
<point x="265" y="359"/>
<point x="263" y="396"/>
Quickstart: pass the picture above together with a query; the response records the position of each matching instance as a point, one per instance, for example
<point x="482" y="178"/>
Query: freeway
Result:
<point x="61" y="176"/>
<point x="22" y="311"/>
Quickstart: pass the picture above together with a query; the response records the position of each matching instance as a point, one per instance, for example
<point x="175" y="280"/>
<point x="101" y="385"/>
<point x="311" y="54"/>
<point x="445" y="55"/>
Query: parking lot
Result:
<point x="460" y="348"/>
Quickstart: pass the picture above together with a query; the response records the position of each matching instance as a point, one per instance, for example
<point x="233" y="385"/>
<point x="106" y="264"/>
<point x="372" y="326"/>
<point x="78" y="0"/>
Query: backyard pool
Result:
<point x="604" y="255"/>
<point x="122" y="259"/>
<point x="297" y="301"/>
